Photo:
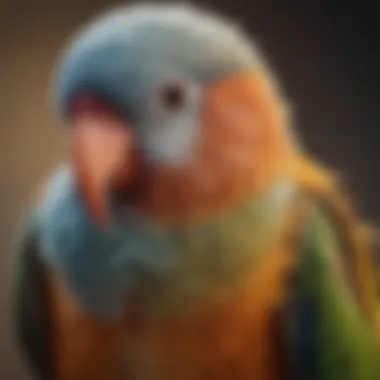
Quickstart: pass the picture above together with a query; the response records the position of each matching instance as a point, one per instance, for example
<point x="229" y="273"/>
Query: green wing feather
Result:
<point x="334" y="336"/>
<point x="30" y="298"/>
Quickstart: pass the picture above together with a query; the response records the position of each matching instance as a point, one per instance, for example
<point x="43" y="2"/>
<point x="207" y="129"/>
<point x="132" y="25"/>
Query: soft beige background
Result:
<point x="322" y="74"/>
<point x="30" y="141"/>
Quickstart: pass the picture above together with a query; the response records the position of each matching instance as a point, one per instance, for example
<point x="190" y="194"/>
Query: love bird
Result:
<point x="188" y="234"/>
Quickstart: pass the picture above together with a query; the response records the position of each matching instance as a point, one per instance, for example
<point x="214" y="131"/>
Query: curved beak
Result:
<point x="102" y="156"/>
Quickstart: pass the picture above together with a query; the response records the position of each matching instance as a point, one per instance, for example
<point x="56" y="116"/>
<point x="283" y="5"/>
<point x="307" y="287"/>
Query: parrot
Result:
<point x="188" y="234"/>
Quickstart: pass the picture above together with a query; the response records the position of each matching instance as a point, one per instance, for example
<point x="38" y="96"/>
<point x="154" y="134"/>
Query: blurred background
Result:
<point x="326" y="55"/>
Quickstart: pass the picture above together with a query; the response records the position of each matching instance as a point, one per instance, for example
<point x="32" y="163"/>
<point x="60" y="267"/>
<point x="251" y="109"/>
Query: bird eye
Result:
<point x="173" y="96"/>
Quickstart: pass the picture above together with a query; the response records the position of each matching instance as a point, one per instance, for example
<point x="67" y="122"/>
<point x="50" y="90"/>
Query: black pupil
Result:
<point x="173" y="97"/>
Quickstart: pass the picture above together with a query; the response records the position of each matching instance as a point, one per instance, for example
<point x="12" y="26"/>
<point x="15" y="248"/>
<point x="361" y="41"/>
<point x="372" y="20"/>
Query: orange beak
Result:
<point x="102" y="155"/>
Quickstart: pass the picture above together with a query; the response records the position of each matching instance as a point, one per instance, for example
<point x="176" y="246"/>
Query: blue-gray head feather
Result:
<point x="124" y="54"/>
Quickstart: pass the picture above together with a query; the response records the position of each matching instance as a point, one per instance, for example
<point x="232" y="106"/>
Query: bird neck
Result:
<point x="167" y="265"/>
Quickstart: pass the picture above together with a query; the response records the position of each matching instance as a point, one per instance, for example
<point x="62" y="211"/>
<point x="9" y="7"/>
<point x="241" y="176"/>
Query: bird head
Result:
<point x="171" y="110"/>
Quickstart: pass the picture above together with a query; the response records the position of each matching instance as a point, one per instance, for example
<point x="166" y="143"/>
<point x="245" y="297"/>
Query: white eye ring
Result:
<point x="172" y="96"/>
<point x="176" y="94"/>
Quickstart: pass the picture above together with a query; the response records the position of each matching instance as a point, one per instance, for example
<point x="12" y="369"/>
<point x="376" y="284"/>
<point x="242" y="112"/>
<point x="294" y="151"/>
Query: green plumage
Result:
<point x="337" y="333"/>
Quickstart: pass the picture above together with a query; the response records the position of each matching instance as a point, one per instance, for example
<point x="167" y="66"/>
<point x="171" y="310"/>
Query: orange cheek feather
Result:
<point x="244" y="146"/>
